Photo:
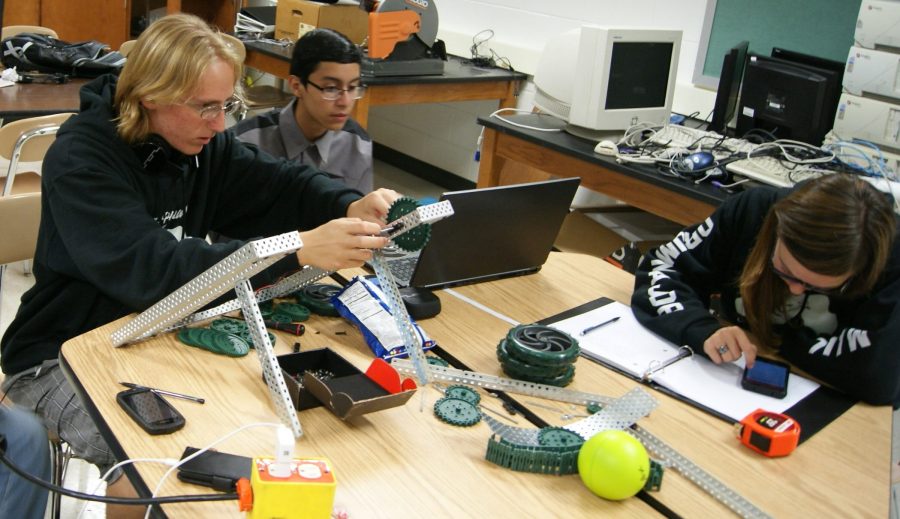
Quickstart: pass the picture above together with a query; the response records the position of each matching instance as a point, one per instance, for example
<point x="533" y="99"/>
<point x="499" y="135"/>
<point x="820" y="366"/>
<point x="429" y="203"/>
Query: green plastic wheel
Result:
<point x="413" y="239"/>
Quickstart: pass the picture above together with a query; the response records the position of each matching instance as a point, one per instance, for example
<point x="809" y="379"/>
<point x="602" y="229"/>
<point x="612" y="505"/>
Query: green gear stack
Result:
<point x="538" y="354"/>
<point x="557" y="460"/>
<point x="415" y="238"/>
<point x="237" y="327"/>
<point x="215" y="341"/>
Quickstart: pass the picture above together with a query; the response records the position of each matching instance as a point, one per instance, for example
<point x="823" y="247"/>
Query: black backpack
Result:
<point x="40" y="53"/>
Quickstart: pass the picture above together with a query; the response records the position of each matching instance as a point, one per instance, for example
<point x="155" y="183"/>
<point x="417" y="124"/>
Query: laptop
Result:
<point x="494" y="232"/>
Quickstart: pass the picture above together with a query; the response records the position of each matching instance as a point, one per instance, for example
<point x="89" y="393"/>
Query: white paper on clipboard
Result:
<point x="628" y="346"/>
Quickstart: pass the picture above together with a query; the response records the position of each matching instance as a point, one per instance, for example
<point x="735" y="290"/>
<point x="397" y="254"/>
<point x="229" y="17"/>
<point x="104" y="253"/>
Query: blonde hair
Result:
<point x="165" y="66"/>
<point x="833" y="226"/>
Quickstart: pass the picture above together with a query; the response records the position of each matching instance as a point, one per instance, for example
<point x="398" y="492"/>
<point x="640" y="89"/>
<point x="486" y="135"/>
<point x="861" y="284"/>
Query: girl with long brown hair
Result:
<point x="811" y="273"/>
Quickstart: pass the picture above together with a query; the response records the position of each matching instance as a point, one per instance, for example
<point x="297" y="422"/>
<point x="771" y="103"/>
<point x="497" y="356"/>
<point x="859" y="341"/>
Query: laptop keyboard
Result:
<point x="403" y="268"/>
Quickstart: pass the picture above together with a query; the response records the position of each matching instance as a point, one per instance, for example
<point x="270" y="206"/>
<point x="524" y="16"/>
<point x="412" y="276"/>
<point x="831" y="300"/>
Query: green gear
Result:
<point x="281" y="317"/>
<point x="540" y="345"/>
<point x="296" y="312"/>
<point x="245" y="335"/>
<point x="561" y="381"/>
<point x="413" y="239"/>
<point x="654" y="481"/>
<point x="463" y="393"/>
<point x="317" y="297"/>
<point x="559" y="437"/>
<point x="265" y="309"/>
<point x="436" y="361"/>
<point x="456" y="411"/>
<point x="228" y="325"/>
<point x="512" y="364"/>
<point x="215" y="341"/>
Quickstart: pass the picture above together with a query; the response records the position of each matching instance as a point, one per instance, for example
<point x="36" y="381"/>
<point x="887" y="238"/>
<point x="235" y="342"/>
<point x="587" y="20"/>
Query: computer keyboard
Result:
<point x="677" y="136"/>
<point x="402" y="268"/>
<point x="769" y="170"/>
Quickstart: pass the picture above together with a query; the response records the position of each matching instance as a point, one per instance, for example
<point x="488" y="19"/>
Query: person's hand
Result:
<point x="728" y="344"/>
<point x="341" y="243"/>
<point x="374" y="206"/>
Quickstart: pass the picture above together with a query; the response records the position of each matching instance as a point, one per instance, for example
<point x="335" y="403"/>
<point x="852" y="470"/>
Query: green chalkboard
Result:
<point x="821" y="28"/>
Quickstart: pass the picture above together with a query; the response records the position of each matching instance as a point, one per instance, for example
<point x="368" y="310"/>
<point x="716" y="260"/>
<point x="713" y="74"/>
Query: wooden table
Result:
<point x="842" y="471"/>
<point x="565" y="155"/>
<point x="402" y="462"/>
<point x="21" y="101"/>
<point x="460" y="82"/>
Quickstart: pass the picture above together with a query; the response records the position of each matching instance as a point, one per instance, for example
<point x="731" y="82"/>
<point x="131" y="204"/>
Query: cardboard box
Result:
<point x="293" y="18"/>
<point x="348" y="392"/>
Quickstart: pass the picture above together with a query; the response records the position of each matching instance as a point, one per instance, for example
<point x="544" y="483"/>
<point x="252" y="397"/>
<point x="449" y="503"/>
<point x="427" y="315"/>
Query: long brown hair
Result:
<point x="834" y="225"/>
<point x="165" y="65"/>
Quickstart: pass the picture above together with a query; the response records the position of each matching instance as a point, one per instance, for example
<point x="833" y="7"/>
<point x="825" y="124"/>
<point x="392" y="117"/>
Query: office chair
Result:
<point x="262" y="96"/>
<point x="60" y="455"/>
<point x="12" y="30"/>
<point x="20" y="216"/>
<point x="27" y="140"/>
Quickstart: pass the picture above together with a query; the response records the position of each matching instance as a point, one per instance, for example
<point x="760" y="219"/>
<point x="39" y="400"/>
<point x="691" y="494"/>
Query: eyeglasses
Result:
<point x="209" y="112"/>
<point x="806" y="286"/>
<point x="332" y="93"/>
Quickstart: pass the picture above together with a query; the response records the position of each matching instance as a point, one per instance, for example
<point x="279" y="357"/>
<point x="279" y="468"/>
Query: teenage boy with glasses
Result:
<point x="315" y="128"/>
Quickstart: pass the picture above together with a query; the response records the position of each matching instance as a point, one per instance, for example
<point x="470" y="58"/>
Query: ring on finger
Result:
<point x="723" y="349"/>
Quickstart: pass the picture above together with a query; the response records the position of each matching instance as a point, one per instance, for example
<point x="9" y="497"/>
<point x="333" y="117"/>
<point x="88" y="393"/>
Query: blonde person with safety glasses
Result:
<point x="131" y="187"/>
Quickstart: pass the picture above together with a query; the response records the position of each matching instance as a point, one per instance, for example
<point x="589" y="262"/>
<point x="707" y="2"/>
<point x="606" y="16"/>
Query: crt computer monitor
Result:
<point x="787" y="99"/>
<point x="606" y="79"/>
<point x="729" y="87"/>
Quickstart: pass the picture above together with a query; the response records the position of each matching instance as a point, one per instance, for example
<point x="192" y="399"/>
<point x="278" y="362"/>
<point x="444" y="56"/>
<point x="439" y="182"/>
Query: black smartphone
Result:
<point x="215" y="469"/>
<point x="150" y="411"/>
<point x="768" y="377"/>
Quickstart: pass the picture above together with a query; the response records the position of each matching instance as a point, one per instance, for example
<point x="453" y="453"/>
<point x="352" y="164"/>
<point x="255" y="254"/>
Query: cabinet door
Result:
<point x="22" y="13"/>
<point x="102" y="20"/>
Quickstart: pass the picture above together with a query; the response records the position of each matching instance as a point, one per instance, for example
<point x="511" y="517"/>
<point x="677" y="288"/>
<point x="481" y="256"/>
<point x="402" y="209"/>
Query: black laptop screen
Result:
<point x="494" y="232"/>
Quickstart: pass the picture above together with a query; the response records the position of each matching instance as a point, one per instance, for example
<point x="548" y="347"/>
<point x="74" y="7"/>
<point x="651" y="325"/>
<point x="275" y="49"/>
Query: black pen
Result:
<point x="594" y="327"/>
<point x="163" y="392"/>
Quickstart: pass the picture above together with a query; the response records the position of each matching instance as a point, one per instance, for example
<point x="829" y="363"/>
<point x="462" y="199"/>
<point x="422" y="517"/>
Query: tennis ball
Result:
<point x="614" y="465"/>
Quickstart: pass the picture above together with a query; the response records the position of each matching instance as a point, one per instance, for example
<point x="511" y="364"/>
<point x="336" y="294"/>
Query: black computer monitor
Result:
<point x="828" y="66"/>
<point x="729" y="87"/>
<point x="787" y="99"/>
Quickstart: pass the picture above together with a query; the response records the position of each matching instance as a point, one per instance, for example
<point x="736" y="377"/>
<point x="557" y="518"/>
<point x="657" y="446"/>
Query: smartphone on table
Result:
<point x="768" y="377"/>
<point x="151" y="411"/>
<point x="218" y="470"/>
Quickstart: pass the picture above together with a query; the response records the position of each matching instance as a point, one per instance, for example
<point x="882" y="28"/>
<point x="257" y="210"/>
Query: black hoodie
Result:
<point x="116" y="237"/>
<point x="853" y="345"/>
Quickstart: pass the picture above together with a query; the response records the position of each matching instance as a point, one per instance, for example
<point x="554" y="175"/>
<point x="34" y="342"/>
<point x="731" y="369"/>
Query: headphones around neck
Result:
<point x="158" y="157"/>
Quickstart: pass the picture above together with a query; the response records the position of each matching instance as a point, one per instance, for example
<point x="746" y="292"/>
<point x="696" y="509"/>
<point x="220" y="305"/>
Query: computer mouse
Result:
<point x="699" y="160"/>
<point x="421" y="303"/>
<point x="606" y="148"/>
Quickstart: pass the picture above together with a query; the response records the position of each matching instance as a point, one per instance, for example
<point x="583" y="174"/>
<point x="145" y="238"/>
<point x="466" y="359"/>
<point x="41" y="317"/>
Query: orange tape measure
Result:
<point x="768" y="433"/>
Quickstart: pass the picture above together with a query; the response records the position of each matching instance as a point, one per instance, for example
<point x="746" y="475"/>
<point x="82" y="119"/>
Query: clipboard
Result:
<point x="665" y="369"/>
